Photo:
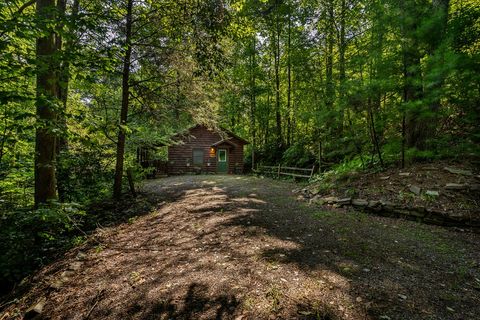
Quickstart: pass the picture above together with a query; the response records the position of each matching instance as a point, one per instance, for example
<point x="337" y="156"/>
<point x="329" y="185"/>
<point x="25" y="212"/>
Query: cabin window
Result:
<point x="212" y="152"/>
<point x="197" y="157"/>
<point x="222" y="155"/>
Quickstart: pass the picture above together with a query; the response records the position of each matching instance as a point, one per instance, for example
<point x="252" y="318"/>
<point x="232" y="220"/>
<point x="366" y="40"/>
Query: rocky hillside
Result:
<point x="439" y="193"/>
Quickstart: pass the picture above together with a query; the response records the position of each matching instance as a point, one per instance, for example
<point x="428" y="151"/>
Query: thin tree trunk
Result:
<point x="404" y="129"/>
<point x="253" y="98"/>
<point x="64" y="78"/>
<point x="440" y="13"/>
<point x="341" y="62"/>
<point x="374" y="134"/>
<point x="277" y="86"/>
<point x="415" y="126"/>
<point x="177" y="106"/>
<point x="329" y="58"/>
<point x="45" y="139"/>
<point x="117" y="186"/>
<point x="289" y="81"/>
<point x="61" y="69"/>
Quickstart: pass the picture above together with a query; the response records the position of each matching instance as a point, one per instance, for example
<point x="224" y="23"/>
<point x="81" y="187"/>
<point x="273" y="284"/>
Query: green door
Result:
<point x="222" y="163"/>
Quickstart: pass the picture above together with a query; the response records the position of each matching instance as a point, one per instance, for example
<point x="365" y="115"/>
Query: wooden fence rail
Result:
<point x="286" y="171"/>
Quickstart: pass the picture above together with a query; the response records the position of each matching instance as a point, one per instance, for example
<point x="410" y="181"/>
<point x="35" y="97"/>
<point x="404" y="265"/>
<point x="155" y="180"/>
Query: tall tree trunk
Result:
<point x="177" y="96"/>
<point x="45" y="139"/>
<point x="64" y="77"/>
<point x="437" y="53"/>
<point x="341" y="62"/>
<point x="61" y="69"/>
<point x="277" y="85"/>
<point x="329" y="58"/>
<point x="63" y="82"/>
<point x="253" y="99"/>
<point x="414" y="125"/>
<point x="289" y="80"/>
<point x="117" y="186"/>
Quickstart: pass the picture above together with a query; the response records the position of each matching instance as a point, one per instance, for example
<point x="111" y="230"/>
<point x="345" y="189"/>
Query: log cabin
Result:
<point x="202" y="150"/>
<point x="205" y="150"/>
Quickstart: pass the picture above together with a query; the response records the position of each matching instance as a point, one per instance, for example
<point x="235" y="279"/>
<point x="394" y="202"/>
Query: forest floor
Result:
<point x="243" y="247"/>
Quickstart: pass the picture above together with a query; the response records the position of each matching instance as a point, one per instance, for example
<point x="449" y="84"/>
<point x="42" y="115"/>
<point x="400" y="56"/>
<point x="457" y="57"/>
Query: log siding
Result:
<point x="180" y="156"/>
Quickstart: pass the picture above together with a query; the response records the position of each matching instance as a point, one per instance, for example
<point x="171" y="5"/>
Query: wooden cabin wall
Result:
<point x="202" y="138"/>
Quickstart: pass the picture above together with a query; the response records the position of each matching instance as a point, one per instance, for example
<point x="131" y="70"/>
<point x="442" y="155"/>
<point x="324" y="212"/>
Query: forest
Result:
<point x="340" y="84"/>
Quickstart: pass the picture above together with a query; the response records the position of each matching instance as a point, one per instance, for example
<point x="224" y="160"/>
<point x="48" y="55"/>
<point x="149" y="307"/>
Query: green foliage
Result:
<point x="298" y="155"/>
<point x="348" y="76"/>
<point x="30" y="238"/>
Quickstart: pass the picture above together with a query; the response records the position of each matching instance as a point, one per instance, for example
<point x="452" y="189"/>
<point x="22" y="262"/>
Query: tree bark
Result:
<point x="415" y="127"/>
<point x="289" y="80"/>
<point x="63" y="68"/>
<point x="278" y="117"/>
<point x="341" y="62"/>
<point x="117" y="186"/>
<point x="253" y="99"/>
<point x="440" y="16"/>
<point x="329" y="58"/>
<point x="46" y="87"/>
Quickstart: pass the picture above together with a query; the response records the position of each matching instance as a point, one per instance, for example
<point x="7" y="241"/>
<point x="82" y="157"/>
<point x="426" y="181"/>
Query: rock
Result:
<point x="360" y="202"/>
<point x="475" y="187"/>
<point x="81" y="256"/>
<point x="385" y="178"/>
<point x="36" y="309"/>
<point x="414" y="189"/>
<point x="404" y="174"/>
<point x="66" y="275"/>
<point x="330" y="200"/>
<point x="432" y="193"/>
<point x="402" y="296"/>
<point x="456" y="186"/>
<point x="316" y="199"/>
<point x="344" y="201"/>
<point x="359" y="299"/>
<point x="410" y="212"/>
<point x="75" y="265"/>
<point x="57" y="284"/>
<point x="459" y="171"/>
<point x="387" y="204"/>
<point x="300" y="197"/>
<point x="373" y="203"/>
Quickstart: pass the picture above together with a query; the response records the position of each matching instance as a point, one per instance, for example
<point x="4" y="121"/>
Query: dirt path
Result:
<point x="230" y="247"/>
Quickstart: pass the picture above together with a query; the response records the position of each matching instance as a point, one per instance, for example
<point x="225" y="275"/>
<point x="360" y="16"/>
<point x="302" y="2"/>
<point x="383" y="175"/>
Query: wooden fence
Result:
<point x="286" y="171"/>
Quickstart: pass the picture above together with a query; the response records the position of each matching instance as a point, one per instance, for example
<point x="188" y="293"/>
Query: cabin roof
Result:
<point x="185" y="133"/>
<point x="228" y="132"/>
<point x="226" y="141"/>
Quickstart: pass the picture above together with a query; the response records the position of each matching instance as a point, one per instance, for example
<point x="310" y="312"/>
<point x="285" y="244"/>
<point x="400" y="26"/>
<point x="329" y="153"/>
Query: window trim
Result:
<point x="219" y="152"/>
